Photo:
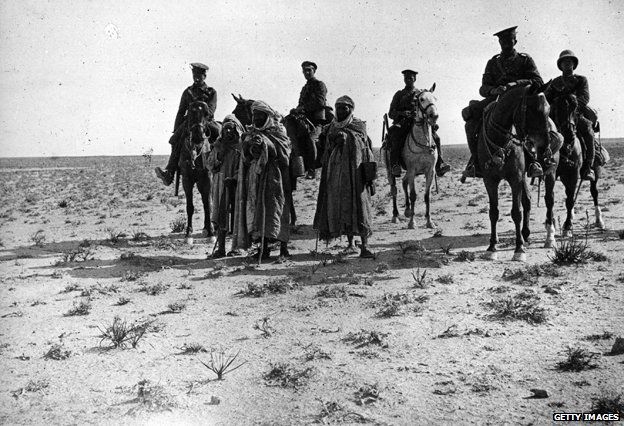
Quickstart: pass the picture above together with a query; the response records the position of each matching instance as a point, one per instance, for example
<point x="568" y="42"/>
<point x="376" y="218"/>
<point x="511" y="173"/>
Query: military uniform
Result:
<point x="501" y="70"/>
<point x="402" y="106"/>
<point x="193" y="93"/>
<point x="575" y="85"/>
<point x="313" y="104"/>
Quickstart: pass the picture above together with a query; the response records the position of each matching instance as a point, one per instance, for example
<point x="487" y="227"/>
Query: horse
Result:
<point x="419" y="155"/>
<point x="501" y="155"/>
<point x="192" y="169"/>
<point x="242" y="111"/>
<point x="563" y="113"/>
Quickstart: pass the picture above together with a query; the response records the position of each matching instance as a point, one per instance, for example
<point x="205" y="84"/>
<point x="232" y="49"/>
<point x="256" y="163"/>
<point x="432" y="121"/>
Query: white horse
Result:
<point x="419" y="156"/>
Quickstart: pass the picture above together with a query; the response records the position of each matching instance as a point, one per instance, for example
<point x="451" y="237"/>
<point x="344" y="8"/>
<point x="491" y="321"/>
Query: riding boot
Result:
<point x="441" y="167"/>
<point x="396" y="140"/>
<point x="167" y="175"/>
<point x="586" y="135"/>
<point x="471" y="127"/>
<point x="534" y="169"/>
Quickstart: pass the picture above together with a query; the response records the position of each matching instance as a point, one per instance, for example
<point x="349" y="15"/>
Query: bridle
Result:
<point x="422" y="121"/>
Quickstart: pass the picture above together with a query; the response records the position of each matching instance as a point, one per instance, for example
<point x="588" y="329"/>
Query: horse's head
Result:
<point x="242" y="111"/>
<point x="531" y="114"/>
<point x="563" y="113"/>
<point x="198" y="118"/>
<point x="426" y="105"/>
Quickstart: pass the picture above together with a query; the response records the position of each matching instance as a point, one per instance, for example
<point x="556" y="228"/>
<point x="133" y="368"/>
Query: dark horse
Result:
<point x="192" y="167"/>
<point x="564" y="115"/>
<point x="501" y="155"/>
<point x="242" y="111"/>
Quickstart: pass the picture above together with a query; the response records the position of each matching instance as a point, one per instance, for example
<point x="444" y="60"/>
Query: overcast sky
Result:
<point x="105" y="77"/>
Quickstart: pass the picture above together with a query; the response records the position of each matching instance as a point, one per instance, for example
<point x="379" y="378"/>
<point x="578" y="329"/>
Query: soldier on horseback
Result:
<point x="312" y="104"/>
<point x="198" y="91"/>
<point x="576" y="87"/>
<point x="402" y="111"/>
<point x="503" y="71"/>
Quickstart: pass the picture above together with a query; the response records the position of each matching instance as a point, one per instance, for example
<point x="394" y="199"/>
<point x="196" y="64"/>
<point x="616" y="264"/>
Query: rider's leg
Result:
<point x="175" y="141"/>
<point x="441" y="167"/>
<point x="471" y="126"/>
<point x="314" y="135"/>
<point x="396" y="139"/>
<point x="586" y="136"/>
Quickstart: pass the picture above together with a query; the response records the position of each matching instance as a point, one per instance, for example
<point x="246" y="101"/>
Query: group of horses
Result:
<point x="520" y="117"/>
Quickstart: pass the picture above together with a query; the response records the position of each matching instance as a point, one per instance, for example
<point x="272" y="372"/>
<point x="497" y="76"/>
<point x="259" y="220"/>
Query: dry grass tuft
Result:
<point x="222" y="362"/>
<point x="518" y="307"/>
<point x="578" y="359"/>
<point x="287" y="375"/>
<point x="57" y="352"/>
<point x="367" y="338"/>
<point x="119" y="333"/>
<point x="78" y="309"/>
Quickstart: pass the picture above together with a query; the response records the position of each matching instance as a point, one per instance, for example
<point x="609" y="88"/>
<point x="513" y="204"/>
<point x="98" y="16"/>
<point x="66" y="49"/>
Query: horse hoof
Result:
<point x="408" y="213"/>
<point x="549" y="243"/>
<point x="519" y="257"/>
<point x="431" y="225"/>
<point x="490" y="255"/>
<point x="410" y="225"/>
<point x="600" y="224"/>
<point x="394" y="219"/>
<point x="212" y="239"/>
<point x="566" y="233"/>
<point x="189" y="241"/>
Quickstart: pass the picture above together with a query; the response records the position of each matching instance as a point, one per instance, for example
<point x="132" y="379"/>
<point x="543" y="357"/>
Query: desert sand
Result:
<point x="417" y="335"/>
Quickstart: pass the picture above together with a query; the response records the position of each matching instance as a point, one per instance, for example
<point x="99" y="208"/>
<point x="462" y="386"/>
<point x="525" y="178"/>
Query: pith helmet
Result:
<point x="565" y="55"/>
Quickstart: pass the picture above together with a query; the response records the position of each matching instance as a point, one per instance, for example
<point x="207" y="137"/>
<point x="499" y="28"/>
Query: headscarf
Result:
<point x="273" y="117"/>
<point x="335" y="124"/>
<point x="231" y="119"/>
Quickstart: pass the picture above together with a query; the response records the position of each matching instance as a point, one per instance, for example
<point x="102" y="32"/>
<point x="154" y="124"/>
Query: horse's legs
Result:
<point x="203" y="185"/>
<point x="526" y="210"/>
<point x="412" y="197"/>
<point x="593" y="188"/>
<point x="293" y="214"/>
<point x="491" y="185"/>
<point x="570" y="183"/>
<point x="393" y="193"/>
<point x="428" y="183"/>
<point x="407" y="202"/>
<point x="187" y="185"/>
<point x="549" y="199"/>
<point x="516" y="193"/>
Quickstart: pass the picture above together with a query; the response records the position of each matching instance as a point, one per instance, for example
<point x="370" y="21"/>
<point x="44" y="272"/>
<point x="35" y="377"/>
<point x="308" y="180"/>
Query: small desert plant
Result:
<point x="80" y="254"/>
<point x="447" y="248"/>
<point x="176" y="307"/>
<point x="122" y="301"/>
<point x="515" y="308"/>
<point x="63" y="203"/>
<point x="71" y="287"/>
<point x="392" y="305"/>
<point x="153" y="290"/>
<point x="621" y="234"/>
<point x="178" y="225"/>
<point x="420" y="280"/>
<point x="606" y="335"/>
<point x="465" y="256"/>
<point x="132" y="275"/>
<point x="38" y="238"/>
<point x="274" y="286"/>
<point x="337" y="292"/>
<point x="36" y="385"/>
<point x="449" y="332"/>
<point x="150" y="397"/>
<point x="264" y="326"/>
<point x="192" y="348"/>
<point x="445" y="279"/>
<point x="577" y="359"/>
<point x="313" y="352"/>
<point x="139" y="235"/>
<point x="366" y="338"/>
<point x="57" y="352"/>
<point x="571" y="252"/>
<point x="114" y="236"/>
<point x="608" y="404"/>
<point x="81" y="308"/>
<point x="287" y="375"/>
<point x="222" y="363"/>
<point x="120" y="333"/>
<point x="530" y="274"/>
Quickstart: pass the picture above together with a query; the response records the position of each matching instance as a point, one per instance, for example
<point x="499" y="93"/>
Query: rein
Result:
<point x="511" y="138"/>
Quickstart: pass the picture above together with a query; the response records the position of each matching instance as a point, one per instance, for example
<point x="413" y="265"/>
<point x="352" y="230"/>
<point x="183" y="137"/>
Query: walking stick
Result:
<point x="261" y="252"/>
<point x="177" y="183"/>
<point x="539" y="189"/>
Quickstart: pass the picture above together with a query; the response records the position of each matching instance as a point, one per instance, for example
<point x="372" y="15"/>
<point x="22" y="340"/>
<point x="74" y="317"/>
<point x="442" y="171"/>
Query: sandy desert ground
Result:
<point x="426" y="333"/>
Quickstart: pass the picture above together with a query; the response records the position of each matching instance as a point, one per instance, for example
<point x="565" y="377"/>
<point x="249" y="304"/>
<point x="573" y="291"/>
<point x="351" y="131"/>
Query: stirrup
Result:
<point x="396" y="170"/>
<point x="590" y="176"/>
<point x="164" y="175"/>
<point x="535" y="170"/>
<point x="443" y="169"/>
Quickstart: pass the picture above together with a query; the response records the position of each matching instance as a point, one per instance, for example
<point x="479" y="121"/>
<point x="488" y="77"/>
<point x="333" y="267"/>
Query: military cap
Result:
<point x="567" y="54"/>
<point x="345" y="100"/>
<point x="306" y="64"/>
<point x="506" y="32"/>
<point x="199" y="65"/>
<point x="411" y="72"/>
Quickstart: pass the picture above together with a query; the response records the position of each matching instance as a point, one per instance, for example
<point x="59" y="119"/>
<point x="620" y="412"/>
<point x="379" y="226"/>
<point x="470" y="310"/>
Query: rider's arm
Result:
<point x="530" y="72"/>
<point x="582" y="91"/>
<point x="184" y="103"/>
<point x="489" y="81"/>
<point x="212" y="104"/>
<point x="395" y="112"/>
<point x="317" y="97"/>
